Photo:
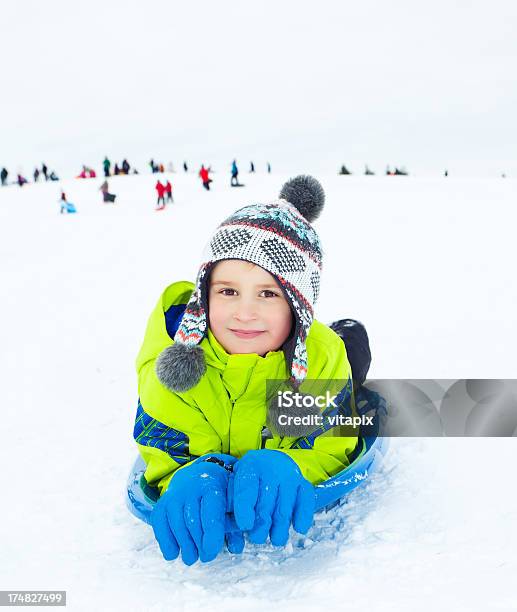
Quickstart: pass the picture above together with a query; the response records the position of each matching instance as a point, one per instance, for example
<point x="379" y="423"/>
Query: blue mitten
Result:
<point x="190" y="516"/>
<point x="269" y="491"/>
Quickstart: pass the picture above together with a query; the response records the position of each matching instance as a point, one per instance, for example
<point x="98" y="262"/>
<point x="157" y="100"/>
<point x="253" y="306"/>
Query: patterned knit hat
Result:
<point x="279" y="238"/>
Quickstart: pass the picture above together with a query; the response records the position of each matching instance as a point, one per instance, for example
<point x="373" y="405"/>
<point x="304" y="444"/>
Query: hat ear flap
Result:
<point x="180" y="367"/>
<point x="299" y="365"/>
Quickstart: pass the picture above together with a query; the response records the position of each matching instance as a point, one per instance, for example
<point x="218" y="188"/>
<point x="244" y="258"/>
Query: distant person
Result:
<point x="44" y="170"/>
<point x="126" y="167"/>
<point x="203" y="173"/>
<point x="86" y="173"/>
<point x="367" y="171"/>
<point x="160" y="189"/>
<point x="268" y="168"/>
<point x="153" y="166"/>
<point x="106" y="164"/>
<point x="168" y="191"/>
<point x="106" y="195"/>
<point x="3" y="176"/>
<point x="36" y="174"/>
<point x="235" y="174"/>
<point x="116" y="170"/>
<point x="53" y="176"/>
<point x="64" y="203"/>
<point x="66" y="206"/>
<point x="252" y="167"/>
<point x="446" y="173"/>
<point x="21" y="180"/>
<point x="185" y="167"/>
<point x="344" y="170"/>
<point x="161" y="168"/>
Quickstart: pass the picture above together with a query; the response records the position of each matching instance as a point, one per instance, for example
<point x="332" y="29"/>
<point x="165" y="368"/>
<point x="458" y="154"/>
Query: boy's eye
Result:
<point x="267" y="292"/>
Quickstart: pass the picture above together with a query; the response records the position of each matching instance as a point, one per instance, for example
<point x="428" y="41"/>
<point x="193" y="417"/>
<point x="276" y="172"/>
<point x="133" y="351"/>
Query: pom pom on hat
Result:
<point x="306" y="194"/>
<point x="180" y="367"/>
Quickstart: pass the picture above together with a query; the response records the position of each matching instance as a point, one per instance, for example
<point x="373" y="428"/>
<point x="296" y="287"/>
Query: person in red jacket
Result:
<point x="160" y="189"/>
<point x="203" y="173"/>
<point x="168" y="191"/>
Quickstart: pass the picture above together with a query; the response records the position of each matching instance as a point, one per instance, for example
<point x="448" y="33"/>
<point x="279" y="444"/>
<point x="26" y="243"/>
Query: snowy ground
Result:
<point x="426" y="264"/>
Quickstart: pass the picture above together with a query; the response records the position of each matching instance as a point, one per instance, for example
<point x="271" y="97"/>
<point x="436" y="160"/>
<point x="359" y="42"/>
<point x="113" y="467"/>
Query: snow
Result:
<point x="426" y="264"/>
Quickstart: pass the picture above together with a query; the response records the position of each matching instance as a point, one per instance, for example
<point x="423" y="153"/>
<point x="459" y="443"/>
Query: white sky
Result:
<point x="427" y="84"/>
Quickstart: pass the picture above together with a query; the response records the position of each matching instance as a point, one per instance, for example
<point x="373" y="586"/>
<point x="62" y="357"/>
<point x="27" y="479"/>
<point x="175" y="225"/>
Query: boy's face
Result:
<point x="248" y="311"/>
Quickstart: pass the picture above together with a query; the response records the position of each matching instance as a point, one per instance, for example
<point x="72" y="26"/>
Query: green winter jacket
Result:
<point x="226" y="411"/>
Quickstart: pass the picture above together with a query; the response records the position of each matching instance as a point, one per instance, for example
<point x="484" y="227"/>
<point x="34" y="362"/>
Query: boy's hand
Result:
<point x="270" y="492"/>
<point x="190" y="516"/>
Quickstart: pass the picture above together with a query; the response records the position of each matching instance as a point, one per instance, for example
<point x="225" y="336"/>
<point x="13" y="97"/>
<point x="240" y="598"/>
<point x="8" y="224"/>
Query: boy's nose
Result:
<point x="245" y="312"/>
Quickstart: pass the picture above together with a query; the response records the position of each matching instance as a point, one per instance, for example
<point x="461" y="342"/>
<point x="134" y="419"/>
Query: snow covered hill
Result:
<point x="426" y="264"/>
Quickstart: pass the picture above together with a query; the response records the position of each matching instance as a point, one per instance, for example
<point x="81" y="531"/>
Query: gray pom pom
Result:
<point x="306" y="194"/>
<point x="180" y="367"/>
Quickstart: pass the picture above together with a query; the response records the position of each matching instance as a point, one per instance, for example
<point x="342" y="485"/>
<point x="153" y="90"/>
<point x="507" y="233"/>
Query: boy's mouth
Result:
<point x="242" y="333"/>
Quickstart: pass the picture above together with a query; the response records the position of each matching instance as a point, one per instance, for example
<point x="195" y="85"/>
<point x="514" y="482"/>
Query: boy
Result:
<point x="203" y="407"/>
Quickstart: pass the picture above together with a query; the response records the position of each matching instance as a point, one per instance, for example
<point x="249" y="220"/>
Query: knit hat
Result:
<point x="278" y="237"/>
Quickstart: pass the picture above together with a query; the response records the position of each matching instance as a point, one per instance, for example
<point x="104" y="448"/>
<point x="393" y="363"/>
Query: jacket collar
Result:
<point x="242" y="372"/>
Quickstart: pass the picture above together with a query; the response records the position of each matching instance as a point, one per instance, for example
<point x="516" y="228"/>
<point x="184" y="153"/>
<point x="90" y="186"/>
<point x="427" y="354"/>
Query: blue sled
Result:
<point x="141" y="497"/>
